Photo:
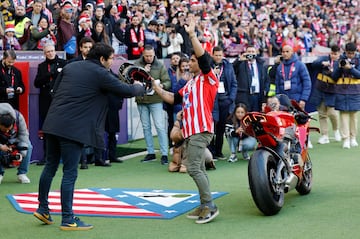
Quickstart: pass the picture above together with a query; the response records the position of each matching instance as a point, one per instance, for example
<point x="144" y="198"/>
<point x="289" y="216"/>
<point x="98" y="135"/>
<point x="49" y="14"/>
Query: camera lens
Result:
<point x="342" y="62"/>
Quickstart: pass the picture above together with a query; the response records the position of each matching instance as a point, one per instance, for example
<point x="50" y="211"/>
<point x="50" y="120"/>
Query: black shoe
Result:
<point x="90" y="159"/>
<point x="40" y="163"/>
<point x="149" y="158"/>
<point x="210" y="165"/>
<point x="164" y="160"/>
<point x="84" y="166"/>
<point x="116" y="160"/>
<point x="219" y="156"/>
<point x="102" y="163"/>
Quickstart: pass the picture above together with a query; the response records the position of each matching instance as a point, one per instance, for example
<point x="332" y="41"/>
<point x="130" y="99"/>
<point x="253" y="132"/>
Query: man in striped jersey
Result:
<point x="197" y="98"/>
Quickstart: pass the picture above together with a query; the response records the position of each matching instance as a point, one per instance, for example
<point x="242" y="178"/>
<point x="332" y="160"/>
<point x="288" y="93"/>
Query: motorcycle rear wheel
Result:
<point x="305" y="185"/>
<point x="268" y="197"/>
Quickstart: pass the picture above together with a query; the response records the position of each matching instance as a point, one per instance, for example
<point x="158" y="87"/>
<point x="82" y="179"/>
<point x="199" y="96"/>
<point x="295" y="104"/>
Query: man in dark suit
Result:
<point x="11" y="84"/>
<point x="76" y="117"/>
<point x="225" y="99"/>
<point x="252" y="80"/>
<point x="47" y="71"/>
<point x="112" y="126"/>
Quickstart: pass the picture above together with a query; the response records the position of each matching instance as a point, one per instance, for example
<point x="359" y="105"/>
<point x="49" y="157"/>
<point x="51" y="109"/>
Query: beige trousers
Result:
<point x="348" y="124"/>
<point x="326" y="113"/>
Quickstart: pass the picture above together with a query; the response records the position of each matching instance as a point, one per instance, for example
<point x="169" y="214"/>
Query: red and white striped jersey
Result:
<point x="198" y="103"/>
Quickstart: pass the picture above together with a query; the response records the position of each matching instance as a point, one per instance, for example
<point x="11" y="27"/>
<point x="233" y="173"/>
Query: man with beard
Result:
<point x="66" y="34"/>
<point x="135" y="39"/>
<point x="11" y="83"/>
<point x="22" y="23"/>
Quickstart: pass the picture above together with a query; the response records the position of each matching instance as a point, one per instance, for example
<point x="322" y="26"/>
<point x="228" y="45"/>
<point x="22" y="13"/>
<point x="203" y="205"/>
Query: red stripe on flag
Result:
<point x="89" y="203"/>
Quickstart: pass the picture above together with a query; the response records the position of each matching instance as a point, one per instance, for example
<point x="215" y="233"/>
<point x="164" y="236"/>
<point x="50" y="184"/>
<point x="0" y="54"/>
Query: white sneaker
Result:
<point x="337" y="136"/>
<point x="346" y="144"/>
<point x="324" y="139"/>
<point x="353" y="143"/>
<point x="310" y="146"/>
<point x="232" y="158"/>
<point x="1" y="178"/>
<point x="22" y="178"/>
<point x="171" y="151"/>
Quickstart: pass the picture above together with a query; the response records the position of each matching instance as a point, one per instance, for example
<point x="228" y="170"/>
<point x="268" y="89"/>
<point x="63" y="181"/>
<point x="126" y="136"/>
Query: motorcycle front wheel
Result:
<point x="268" y="197"/>
<point x="305" y="185"/>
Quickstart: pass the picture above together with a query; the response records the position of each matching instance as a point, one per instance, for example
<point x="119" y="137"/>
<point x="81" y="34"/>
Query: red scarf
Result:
<point x="136" y="51"/>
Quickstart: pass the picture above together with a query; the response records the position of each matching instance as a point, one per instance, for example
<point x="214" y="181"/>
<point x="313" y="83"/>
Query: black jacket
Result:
<point x="243" y="77"/>
<point x="80" y="103"/>
<point x="47" y="71"/>
<point x="10" y="78"/>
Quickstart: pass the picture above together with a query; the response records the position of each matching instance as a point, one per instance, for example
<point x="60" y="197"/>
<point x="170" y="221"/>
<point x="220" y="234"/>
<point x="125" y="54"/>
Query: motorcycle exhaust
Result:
<point x="291" y="182"/>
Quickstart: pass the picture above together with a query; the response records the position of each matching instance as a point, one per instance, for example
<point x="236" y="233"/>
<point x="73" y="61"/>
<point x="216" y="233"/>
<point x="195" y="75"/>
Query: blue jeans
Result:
<point x="248" y="144"/>
<point x="24" y="165"/>
<point x="157" y="113"/>
<point x="70" y="152"/>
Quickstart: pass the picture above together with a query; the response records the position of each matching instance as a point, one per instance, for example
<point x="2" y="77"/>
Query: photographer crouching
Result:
<point x="347" y="88"/>
<point x="15" y="146"/>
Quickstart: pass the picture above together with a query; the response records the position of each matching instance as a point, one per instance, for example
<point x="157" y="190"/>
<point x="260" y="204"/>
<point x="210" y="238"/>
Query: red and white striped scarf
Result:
<point x="136" y="51"/>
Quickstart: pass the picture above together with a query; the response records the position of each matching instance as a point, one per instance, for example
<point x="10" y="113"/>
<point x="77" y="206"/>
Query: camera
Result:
<point x="250" y="56"/>
<point x="173" y="31"/>
<point x="11" y="158"/>
<point x="8" y="158"/>
<point x="343" y="62"/>
<point x="229" y="130"/>
<point x="281" y="58"/>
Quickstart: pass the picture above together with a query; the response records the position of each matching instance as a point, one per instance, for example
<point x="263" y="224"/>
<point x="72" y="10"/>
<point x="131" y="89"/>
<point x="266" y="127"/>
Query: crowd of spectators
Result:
<point x="268" y="25"/>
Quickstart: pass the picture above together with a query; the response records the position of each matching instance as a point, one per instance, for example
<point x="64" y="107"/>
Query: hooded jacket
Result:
<point x="21" y="137"/>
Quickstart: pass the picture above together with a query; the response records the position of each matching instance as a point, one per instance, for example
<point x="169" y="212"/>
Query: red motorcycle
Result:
<point x="281" y="162"/>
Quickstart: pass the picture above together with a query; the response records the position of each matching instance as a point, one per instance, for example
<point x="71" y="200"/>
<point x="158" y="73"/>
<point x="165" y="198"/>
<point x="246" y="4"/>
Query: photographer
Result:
<point x="323" y="95"/>
<point x="347" y="88"/>
<point x="252" y="79"/>
<point x="175" y="39"/>
<point x="15" y="146"/>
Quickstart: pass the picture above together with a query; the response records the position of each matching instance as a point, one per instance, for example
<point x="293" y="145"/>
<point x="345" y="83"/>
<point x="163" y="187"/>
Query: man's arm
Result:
<point x="166" y="96"/>
<point x="190" y="29"/>
<point x="202" y="56"/>
<point x="306" y="82"/>
<point x="23" y="134"/>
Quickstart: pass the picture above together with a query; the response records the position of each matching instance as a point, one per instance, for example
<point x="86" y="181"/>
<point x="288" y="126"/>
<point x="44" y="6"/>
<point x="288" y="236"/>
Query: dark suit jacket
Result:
<point x="80" y="102"/>
<point x="47" y="71"/>
<point x="6" y="82"/>
<point x="243" y="77"/>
